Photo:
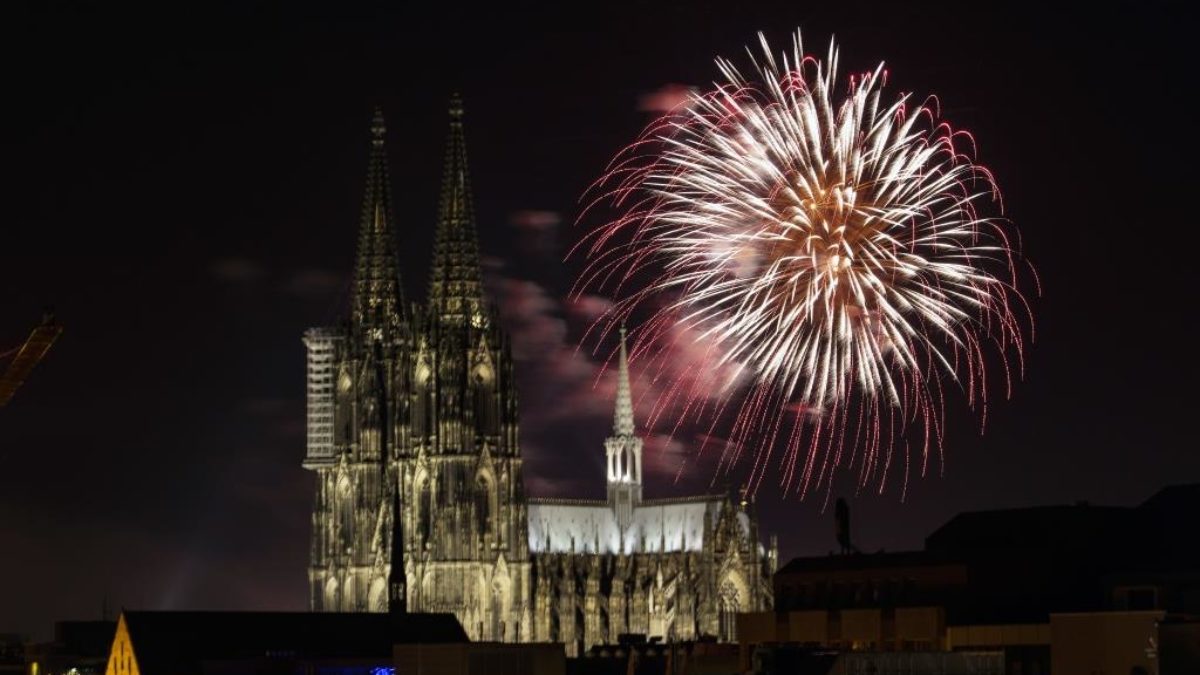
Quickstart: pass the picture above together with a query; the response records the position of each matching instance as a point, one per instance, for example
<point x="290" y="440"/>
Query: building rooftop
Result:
<point x="178" y="642"/>
<point x="561" y="526"/>
<point x="1020" y="564"/>
<point x="1041" y="527"/>
<point x="864" y="561"/>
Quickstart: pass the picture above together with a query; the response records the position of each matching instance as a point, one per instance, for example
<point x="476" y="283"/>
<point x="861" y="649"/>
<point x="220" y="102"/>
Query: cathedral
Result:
<point x="412" y="433"/>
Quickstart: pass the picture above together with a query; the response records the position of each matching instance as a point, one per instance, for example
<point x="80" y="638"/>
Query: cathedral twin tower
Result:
<point x="416" y="406"/>
<point x="420" y="504"/>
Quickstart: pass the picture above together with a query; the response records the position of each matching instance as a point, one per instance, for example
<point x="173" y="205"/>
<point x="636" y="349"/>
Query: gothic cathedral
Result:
<point x="412" y="434"/>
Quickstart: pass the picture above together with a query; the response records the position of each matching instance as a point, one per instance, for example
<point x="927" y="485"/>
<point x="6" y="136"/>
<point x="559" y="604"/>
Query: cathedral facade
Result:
<point x="413" y="437"/>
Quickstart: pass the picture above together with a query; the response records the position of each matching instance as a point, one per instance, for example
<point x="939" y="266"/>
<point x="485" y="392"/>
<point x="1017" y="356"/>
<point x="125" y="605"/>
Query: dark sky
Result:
<point x="184" y="190"/>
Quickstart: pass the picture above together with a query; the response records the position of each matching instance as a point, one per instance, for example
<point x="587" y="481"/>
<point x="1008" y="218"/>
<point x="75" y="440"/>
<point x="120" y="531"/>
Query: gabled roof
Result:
<point x="1070" y="526"/>
<point x="1040" y="527"/>
<point x="1174" y="499"/>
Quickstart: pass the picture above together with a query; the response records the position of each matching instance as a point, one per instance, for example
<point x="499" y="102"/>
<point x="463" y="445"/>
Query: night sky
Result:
<point x="184" y="190"/>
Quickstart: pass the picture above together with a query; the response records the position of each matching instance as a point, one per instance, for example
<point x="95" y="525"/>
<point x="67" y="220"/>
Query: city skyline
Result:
<point x="187" y="220"/>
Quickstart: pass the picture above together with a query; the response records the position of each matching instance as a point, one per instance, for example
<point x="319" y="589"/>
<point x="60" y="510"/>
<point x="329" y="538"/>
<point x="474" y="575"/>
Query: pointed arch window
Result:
<point x="497" y="626"/>
<point x="728" y="606"/>
<point x="485" y="401"/>
<point x="422" y="409"/>
<point x="344" y="413"/>
<point x="425" y="509"/>
<point x="344" y="511"/>
<point x="331" y="595"/>
<point x="483" y="505"/>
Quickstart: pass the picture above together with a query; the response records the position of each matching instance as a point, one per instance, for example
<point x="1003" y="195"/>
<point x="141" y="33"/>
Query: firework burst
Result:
<point x="830" y="251"/>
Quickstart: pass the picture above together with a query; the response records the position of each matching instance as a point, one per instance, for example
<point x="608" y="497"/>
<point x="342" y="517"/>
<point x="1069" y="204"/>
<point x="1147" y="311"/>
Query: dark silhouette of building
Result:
<point x="183" y="643"/>
<point x="78" y="646"/>
<point x="12" y="653"/>
<point x="1017" y="565"/>
<point x="633" y="654"/>
<point x="1073" y="587"/>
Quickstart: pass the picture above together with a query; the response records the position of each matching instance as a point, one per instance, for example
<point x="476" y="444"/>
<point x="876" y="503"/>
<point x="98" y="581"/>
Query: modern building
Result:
<point x="416" y="404"/>
<point x="1058" y="589"/>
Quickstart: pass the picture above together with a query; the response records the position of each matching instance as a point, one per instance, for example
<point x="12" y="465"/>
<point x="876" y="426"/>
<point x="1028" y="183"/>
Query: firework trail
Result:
<point x="828" y="254"/>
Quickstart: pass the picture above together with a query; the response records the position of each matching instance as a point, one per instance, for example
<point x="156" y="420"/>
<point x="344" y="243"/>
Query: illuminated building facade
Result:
<point x="418" y="401"/>
<point x="677" y="568"/>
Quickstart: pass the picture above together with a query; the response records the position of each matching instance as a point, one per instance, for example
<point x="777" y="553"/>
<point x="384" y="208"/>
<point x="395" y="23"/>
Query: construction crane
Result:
<point x="27" y="356"/>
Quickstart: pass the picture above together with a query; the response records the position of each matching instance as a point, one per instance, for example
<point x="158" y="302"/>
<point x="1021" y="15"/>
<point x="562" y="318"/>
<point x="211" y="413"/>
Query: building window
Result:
<point x="425" y="506"/>
<point x="483" y="505"/>
<point x="729" y="604"/>
<point x="485" y="407"/>
<point x="345" y="513"/>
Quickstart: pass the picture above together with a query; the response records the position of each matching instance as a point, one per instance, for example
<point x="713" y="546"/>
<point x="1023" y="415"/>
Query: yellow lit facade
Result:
<point x="121" y="659"/>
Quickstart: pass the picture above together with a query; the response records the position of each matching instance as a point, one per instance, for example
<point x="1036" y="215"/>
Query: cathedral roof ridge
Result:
<point x="567" y="501"/>
<point x="667" y="501"/>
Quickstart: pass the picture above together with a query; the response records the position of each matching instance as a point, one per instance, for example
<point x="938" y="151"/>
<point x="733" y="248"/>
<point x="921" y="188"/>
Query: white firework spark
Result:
<point x="830" y="242"/>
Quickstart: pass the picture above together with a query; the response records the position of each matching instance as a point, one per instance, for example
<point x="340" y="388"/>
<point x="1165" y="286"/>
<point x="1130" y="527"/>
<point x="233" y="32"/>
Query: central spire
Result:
<point x="623" y="450"/>
<point x="455" y="281"/>
<point x="623" y="420"/>
<point x="378" y="297"/>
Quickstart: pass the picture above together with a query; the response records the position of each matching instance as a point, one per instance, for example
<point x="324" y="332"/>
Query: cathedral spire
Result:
<point x="623" y="449"/>
<point x="455" y="281"/>
<point x="623" y="419"/>
<point x="378" y="297"/>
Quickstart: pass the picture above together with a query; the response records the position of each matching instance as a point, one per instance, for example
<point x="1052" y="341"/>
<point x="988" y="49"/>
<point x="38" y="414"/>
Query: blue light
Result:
<point x="357" y="670"/>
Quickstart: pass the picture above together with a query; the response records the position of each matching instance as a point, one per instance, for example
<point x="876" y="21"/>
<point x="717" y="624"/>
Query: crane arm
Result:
<point x="26" y="357"/>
